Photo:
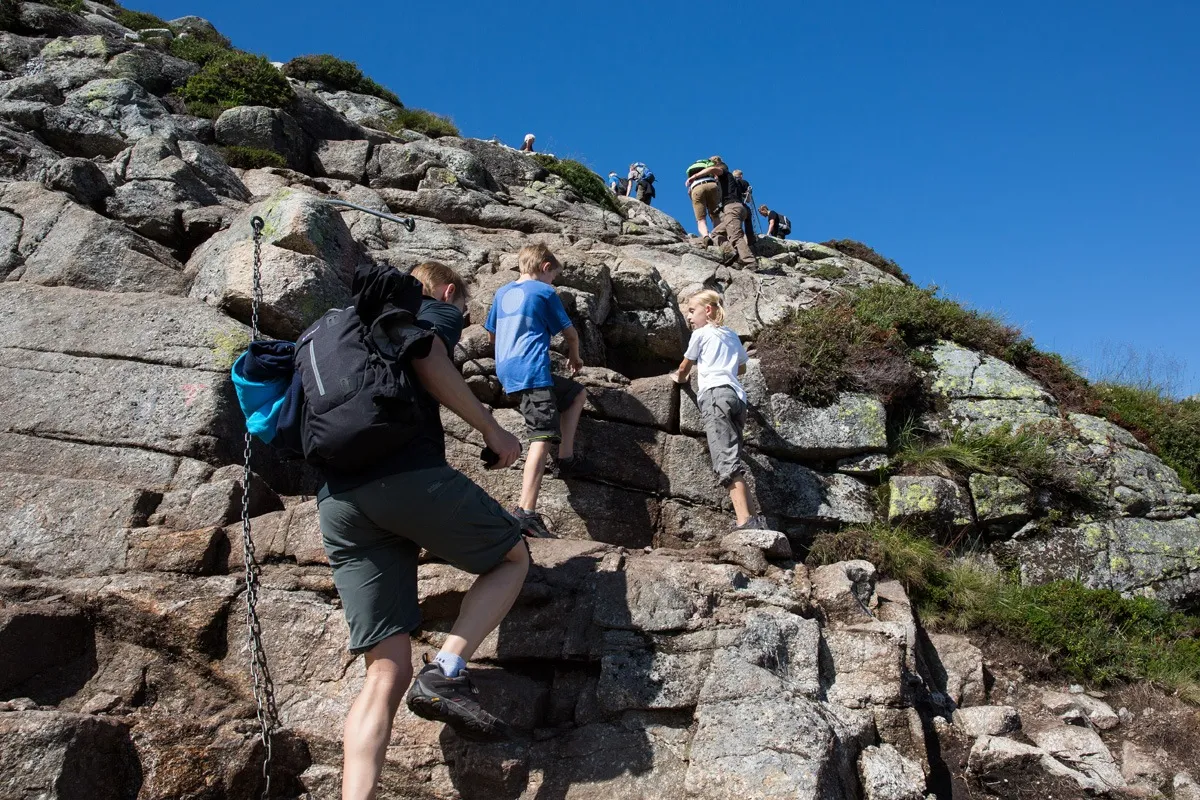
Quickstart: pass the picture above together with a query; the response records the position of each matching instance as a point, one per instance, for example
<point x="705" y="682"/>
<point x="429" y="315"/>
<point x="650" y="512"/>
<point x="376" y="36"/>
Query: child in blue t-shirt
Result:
<point x="523" y="317"/>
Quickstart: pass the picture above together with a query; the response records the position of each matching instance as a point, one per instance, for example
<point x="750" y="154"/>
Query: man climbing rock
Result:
<point x="374" y="523"/>
<point x="777" y="224"/>
<point x="730" y="234"/>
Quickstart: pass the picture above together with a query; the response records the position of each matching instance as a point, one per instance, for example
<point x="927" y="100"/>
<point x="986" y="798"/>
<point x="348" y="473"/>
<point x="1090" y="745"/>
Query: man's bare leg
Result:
<point x="369" y="723"/>
<point x="531" y="480"/>
<point x="487" y="602"/>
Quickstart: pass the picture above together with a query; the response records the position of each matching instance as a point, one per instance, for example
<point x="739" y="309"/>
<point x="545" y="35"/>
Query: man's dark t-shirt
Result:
<point x="427" y="449"/>
<point x="773" y="217"/>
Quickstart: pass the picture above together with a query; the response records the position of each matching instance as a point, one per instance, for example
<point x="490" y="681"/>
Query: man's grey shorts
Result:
<point x="724" y="416"/>
<point x="373" y="534"/>
<point x="542" y="407"/>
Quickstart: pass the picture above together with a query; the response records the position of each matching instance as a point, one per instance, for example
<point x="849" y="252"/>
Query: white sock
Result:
<point x="451" y="664"/>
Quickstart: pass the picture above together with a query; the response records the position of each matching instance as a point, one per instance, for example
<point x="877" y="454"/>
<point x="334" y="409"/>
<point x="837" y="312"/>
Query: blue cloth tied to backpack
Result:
<point x="262" y="378"/>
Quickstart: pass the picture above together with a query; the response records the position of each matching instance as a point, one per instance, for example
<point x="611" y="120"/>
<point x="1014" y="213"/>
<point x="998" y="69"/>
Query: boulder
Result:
<point x="266" y="129"/>
<point x="308" y="260"/>
<point x="25" y="158"/>
<point x="887" y="775"/>
<point x="64" y="244"/>
<point x="71" y="61"/>
<point x="963" y="373"/>
<point x="155" y="71"/>
<point x="927" y="500"/>
<point x="80" y="178"/>
<point x="101" y="116"/>
<point x="1083" y="750"/>
<point x="342" y="159"/>
<point x="504" y="165"/>
<point x="318" y="119"/>
<point x="1069" y="706"/>
<point x="403" y="166"/>
<point x="1002" y="504"/>
<point x="845" y="591"/>
<point x="152" y="208"/>
<point x="364" y="109"/>
<point x="867" y="665"/>
<point x="956" y="668"/>
<point x="198" y="26"/>
<point x="1158" y="558"/>
<point x="987" y="720"/>
<point x="59" y="754"/>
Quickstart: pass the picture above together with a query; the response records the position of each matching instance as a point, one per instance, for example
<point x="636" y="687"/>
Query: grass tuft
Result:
<point x="139" y="20"/>
<point x="590" y="185"/>
<point x="240" y="157"/>
<point x="862" y="252"/>
<point x="415" y="119"/>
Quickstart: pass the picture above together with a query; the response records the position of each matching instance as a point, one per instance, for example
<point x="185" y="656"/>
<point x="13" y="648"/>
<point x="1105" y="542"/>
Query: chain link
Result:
<point x="260" y="675"/>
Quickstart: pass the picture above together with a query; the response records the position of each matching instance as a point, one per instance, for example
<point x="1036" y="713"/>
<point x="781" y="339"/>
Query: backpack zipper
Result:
<point x="312" y="359"/>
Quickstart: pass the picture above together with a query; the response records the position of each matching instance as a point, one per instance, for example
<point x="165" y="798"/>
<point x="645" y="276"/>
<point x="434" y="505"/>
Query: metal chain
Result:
<point x="260" y="675"/>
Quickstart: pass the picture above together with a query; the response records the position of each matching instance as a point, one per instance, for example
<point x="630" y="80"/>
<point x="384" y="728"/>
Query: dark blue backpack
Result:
<point x="351" y="401"/>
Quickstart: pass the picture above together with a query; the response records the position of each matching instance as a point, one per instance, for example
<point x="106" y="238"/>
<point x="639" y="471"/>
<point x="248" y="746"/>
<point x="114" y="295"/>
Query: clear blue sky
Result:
<point x="1040" y="160"/>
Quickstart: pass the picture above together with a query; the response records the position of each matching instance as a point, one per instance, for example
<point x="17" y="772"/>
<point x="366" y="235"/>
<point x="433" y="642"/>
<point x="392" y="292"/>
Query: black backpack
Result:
<point x="783" y="226"/>
<point x="622" y="186"/>
<point x="360" y="403"/>
<point x="647" y="184"/>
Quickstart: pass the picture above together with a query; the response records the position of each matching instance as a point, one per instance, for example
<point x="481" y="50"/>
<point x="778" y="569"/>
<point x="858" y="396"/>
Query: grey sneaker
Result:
<point x="452" y="701"/>
<point x="532" y="524"/>
<point x="755" y="523"/>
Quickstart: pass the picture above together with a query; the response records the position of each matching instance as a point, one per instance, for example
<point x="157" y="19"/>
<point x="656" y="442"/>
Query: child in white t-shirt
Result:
<point x="720" y="358"/>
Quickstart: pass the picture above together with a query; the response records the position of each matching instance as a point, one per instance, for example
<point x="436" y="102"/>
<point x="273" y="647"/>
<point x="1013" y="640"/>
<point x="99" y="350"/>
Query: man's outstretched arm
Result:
<point x="438" y="376"/>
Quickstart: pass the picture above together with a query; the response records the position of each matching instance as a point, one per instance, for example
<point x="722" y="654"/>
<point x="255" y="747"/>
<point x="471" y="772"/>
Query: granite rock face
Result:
<point x="653" y="651"/>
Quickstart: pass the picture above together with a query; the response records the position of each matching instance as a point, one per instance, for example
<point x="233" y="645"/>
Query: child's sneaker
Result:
<point x="452" y="701"/>
<point x="755" y="523"/>
<point x="532" y="523"/>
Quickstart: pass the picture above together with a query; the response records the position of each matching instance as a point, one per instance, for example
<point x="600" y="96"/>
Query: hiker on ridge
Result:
<point x="527" y="145"/>
<point x="730" y="234"/>
<point x="777" y="224"/>
<point x="376" y="520"/>
<point x="742" y="190"/>
<point x="705" y="194"/>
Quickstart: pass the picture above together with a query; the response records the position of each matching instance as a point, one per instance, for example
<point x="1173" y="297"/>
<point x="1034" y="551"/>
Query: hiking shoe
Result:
<point x="452" y="701"/>
<point x="532" y="524"/>
<point x="755" y="523"/>
<point x="706" y="241"/>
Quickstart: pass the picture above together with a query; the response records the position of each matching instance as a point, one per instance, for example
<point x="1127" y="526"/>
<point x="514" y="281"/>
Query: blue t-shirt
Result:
<point x="524" y="315"/>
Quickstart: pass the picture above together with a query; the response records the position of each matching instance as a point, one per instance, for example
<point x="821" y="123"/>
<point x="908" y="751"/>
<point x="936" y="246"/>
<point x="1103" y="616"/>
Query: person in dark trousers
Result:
<point x="741" y="188"/>
<point x="730" y="234"/>
<point x="777" y="224"/>
<point x="374" y="525"/>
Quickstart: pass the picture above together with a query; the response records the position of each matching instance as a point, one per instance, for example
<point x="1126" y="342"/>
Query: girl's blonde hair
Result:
<point x="710" y="297"/>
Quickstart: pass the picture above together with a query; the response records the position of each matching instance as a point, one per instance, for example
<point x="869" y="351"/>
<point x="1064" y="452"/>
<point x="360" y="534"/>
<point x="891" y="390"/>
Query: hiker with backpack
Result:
<point x="777" y="224"/>
<point x="524" y="315"/>
<point x="742" y="190"/>
<point x="730" y="234"/>
<point x="705" y="193"/>
<point x="645" y="187"/>
<point x="719" y="358"/>
<point x="373" y="377"/>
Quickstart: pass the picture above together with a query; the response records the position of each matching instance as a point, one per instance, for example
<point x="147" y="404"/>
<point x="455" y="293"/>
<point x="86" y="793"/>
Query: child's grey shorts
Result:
<point x="373" y="534"/>
<point x="724" y="416"/>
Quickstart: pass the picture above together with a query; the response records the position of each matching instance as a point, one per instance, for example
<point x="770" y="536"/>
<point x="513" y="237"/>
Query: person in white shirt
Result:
<point x="720" y="358"/>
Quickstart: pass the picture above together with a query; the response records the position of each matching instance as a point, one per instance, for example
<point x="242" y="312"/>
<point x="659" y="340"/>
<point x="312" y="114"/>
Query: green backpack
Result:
<point x="703" y="163"/>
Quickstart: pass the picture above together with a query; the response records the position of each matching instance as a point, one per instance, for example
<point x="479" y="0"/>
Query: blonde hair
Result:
<point x="433" y="274"/>
<point x="710" y="297"/>
<point x="716" y="160"/>
<point x="532" y="256"/>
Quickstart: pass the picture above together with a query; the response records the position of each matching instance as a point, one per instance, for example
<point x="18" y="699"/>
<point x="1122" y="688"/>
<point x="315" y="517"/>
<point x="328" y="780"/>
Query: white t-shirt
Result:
<point x="718" y="353"/>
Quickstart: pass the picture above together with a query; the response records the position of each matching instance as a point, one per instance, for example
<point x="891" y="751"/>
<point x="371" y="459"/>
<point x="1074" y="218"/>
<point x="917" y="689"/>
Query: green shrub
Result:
<point x="903" y="556"/>
<point x="252" y="157"/>
<point x="589" y="185"/>
<point x="864" y="253"/>
<point x="1170" y="427"/>
<point x="197" y="49"/>
<point x="237" y="79"/>
<point x="139" y="20"/>
<point x="338" y="74"/>
<point x="816" y="353"/>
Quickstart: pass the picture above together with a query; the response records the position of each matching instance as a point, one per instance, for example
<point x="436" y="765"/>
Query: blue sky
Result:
<point x="1038" y="160"/>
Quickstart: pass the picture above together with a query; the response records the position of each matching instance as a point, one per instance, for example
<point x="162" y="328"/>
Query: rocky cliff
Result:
<point x="651" y="653"/>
